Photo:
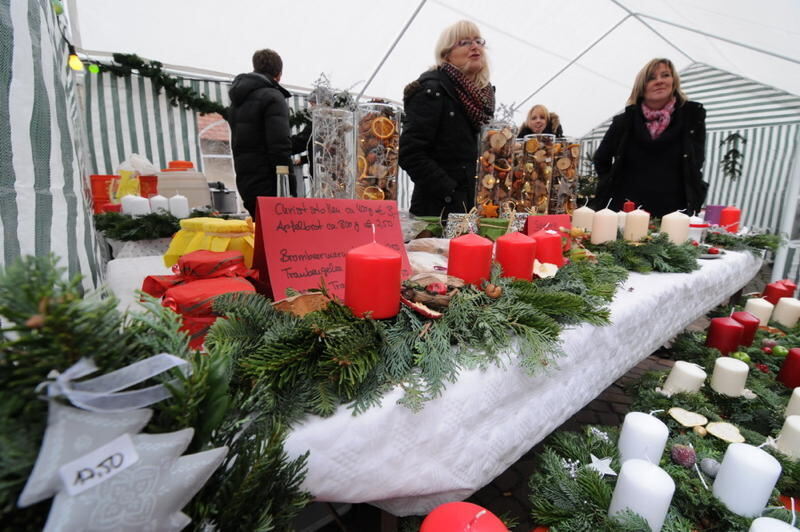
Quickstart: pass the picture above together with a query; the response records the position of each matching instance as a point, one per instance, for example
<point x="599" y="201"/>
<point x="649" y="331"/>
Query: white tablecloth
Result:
<point x="408" y="463"/>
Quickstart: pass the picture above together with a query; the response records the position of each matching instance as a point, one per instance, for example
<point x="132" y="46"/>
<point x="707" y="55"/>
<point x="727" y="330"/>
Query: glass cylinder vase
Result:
<point x="564" y="183"/>
<point x="531" y="185"/>
<point x="334" y="153"/>
<point x="377" y="151"/>
<point x="495" y="167"/>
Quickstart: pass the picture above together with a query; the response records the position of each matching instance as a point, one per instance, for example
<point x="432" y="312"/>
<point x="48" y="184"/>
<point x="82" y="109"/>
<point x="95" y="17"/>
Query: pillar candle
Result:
<point x="745" y="479"/>
<point x="760" y="308"/>
<point x="729" y="219"/>
<point x="793" y="408"/>
<point x="604" y="226"/>
<point x="750" y="324"/>
<point x="772" y="292"/>
<point x="789" y="373"/>
<point x="770" y="524"/>
<point x="135" y="205"/>
<point x="179" y="206"/>
<point x="628" y="206"/>
<point x="621" y="220"/>
<point x="729" y="376"/>
<point x="684" y="377"/>
<point x="470" y="258"/>
<point x="548" y="247"/>
<point x="582" y="218"/>
<point x="642" y="436"/>
<point x="159" y="202"/>
<point x="791" y="287"/>
<point x="725" y="334"/>
<point x="787" y="311"/>
<point x="636" y="224"/>
<point x="713" y="212"/>
<point x="788" y="440"/>
<point x="676" y="226"/>
<point x="372" y="281"/>
<point x="645" y="489"/>
<point x="515" y="253"/>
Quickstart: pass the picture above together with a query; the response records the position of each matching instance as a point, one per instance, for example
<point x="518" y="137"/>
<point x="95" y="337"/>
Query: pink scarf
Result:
<point x="658" y="119"/>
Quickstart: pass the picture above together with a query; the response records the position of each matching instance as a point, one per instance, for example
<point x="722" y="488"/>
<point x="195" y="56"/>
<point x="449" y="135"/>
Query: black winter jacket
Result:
<point x="663" y="174"/>
<point x="259" y="121"/>
<point x="438" y="147"/>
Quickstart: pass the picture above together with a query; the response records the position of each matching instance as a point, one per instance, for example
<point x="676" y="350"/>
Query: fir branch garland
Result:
<point x="654" y="253"/>
<point x="753" y="242"/>
<point x="149" y="226"/>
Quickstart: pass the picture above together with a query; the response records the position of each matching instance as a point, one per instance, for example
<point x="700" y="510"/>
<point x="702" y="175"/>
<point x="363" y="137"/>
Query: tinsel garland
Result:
<point x="555" y="491"/>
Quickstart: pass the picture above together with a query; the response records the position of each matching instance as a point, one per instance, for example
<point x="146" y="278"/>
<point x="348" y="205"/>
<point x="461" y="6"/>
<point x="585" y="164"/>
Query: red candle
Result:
<point x="548" y="247"/>
<point x="515" y="253"/>
<point x="470" y="258"/>
<point x="750" y="324"/>
<point x="791" y="287"/>
<point x="774" y="291"/>
<point x="372" y="281"/>
<point x="790" y="370"/>
<point x="628" y="206"/>
<point x="725" y="334"/>
<point x="729" y="219"/>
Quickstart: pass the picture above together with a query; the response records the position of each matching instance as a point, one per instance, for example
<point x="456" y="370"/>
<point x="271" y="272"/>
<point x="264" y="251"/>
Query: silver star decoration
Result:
<point x="602" y="466"/>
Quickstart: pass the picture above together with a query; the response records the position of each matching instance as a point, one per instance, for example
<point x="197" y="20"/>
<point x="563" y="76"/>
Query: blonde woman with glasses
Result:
<point x="444" y="111"/>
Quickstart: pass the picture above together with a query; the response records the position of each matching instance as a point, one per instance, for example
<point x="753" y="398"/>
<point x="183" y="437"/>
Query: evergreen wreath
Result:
<point x="753" y="242"/>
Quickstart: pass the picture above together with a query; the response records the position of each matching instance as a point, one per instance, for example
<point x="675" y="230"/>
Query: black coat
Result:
<point x="259" y="121"/>
<point x="438" y="147"/>
<point x="663" y="174"/>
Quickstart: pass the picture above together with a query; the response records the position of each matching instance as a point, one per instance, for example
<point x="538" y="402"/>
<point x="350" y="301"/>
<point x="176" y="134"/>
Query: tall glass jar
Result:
<point x="495" y="167"/>
<point x="334" y="153"/>
<point x="377" y="151"/>
<point x="531" y="185"/>
<point x="564" y="185"/>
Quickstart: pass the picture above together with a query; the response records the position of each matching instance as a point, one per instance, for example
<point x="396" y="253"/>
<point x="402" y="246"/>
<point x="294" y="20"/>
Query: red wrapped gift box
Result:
<point x="195" y="298"/>
<point x="201" y="264"/>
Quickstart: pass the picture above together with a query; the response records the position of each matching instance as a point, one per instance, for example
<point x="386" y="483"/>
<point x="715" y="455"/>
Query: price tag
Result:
<point x="99" y="465"/>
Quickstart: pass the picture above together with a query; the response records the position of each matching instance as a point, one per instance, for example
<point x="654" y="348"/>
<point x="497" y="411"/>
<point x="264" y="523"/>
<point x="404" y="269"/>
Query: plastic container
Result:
<point x="530" y="189"/>
<point x="378" y="144"/>
<point x="495" y="166"/>
<point x="189" y="183"/>
<point x="564" y="183"/>
<point x="334" y="153"/>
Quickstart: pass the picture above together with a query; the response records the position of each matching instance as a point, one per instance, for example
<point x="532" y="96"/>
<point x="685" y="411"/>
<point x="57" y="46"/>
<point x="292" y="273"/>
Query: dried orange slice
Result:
<point x="382" y="127"/>
<point x="362" y="166"/>
<point x="373" y="193"/>
<point x="531" y="145"/>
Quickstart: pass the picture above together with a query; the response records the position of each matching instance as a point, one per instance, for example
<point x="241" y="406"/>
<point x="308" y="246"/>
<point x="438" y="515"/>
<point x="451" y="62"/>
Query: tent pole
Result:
<point x="391" y="49"/>
<point x="729" y="41"/>
<point x="572" y="62"/>
<point x="649" y="27"/>
<point x="789" y="211"/>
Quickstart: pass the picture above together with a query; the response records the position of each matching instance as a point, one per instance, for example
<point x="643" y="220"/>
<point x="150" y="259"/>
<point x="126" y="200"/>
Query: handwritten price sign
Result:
<point x="301" y="240"/>
<point x="99" y="465"/>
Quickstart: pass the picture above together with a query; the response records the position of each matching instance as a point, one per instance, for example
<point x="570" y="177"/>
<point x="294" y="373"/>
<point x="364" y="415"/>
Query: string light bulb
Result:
<point x="74" y="61"/>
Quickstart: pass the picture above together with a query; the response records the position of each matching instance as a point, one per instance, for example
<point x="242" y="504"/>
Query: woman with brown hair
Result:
<point x="444" y="111"/>
<point x="653" y="153"/>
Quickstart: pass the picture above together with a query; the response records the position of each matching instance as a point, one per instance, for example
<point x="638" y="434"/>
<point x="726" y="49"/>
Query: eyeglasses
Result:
<point x="468" y="42"/>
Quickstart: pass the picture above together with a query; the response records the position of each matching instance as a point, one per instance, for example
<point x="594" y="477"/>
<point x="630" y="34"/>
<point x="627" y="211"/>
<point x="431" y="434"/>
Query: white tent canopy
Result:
<point x="529" y="42"/>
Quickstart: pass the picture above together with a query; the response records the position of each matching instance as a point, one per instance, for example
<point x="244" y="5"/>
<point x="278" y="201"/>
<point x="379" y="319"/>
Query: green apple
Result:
<point x="780" y="351"/>
<point x="741" y="355"/>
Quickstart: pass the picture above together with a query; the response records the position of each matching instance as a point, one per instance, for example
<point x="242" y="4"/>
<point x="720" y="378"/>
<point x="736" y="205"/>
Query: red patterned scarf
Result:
<point x="478" y="102"/>
<point x="658" y="119"/>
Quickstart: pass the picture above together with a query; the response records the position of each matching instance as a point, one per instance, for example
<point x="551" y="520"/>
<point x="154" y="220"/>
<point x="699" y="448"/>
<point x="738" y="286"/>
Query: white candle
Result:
<point x="788" y="440"/>
<point x="729" y="376"/>
<point x="697" y="227"/>
<point x="676" y="226"/>
<point x="745" y="479"/>
<point x="787" y="311"/>
<point x="645" y="489"/>
<point x="793" y="408"/>
<point x="582" y="218"/>
<point x="684" y="377"/>
<point x="642" y="436"/>
<point x="636" y="224"/>
<point x="159" y="202"/>
<point x="179" y="206"/>
<point x="604" y="226"/>
<point x="770" y="524"/>
<point x="621" y="215"/>
<point x="135" y="205"/>
<point x="760" y="308"/>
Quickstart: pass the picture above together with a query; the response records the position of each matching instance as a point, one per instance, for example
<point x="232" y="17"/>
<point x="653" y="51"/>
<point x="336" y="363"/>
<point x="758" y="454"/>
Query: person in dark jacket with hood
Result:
<point x="653" y="153"/>
<point x="259" y="122"/>
<point x="444" y="111"/>
<point x="541" y="121"/>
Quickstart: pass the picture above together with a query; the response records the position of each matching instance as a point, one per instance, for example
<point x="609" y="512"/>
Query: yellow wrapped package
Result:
<point x="229" y="235"/>
<point x="188" y="238"/>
